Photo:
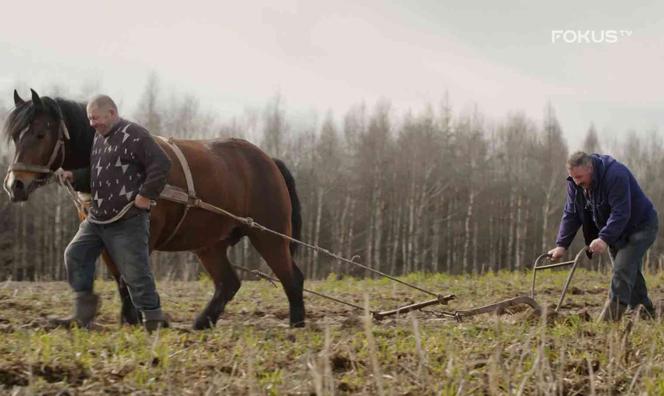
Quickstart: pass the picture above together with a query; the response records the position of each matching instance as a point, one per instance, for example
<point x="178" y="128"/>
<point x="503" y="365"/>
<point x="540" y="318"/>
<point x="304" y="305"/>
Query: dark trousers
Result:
<point x="126" y="241"/>
<point x="628" y="285"/>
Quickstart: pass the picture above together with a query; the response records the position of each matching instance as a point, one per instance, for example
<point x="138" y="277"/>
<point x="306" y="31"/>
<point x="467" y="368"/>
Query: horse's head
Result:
<point x="38" y="131"/>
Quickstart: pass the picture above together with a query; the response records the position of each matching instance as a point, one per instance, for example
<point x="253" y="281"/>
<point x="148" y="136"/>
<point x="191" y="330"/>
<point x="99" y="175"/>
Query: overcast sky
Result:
<point x="324" y="55"/>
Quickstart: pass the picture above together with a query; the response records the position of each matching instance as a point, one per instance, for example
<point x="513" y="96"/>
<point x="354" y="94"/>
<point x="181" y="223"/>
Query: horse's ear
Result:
<point x="17" y="99"/>
<point x="36" y="100"/>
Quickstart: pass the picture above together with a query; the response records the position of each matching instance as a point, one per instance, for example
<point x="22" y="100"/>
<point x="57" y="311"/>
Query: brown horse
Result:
<point x="232" y="174"/>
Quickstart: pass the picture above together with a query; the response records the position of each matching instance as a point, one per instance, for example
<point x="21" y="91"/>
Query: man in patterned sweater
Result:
<point x="128" y="171"/>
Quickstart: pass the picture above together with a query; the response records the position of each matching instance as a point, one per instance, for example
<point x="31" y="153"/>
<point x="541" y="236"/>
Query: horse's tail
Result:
<point x="296" y="215"/>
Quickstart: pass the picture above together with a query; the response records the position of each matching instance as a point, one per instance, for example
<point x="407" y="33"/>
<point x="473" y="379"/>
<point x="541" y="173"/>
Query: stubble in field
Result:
<point x="340" y="351"/>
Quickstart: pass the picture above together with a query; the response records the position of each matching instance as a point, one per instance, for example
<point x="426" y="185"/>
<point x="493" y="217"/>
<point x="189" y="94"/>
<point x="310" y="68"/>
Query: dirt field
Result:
<point x="252" y="350"/>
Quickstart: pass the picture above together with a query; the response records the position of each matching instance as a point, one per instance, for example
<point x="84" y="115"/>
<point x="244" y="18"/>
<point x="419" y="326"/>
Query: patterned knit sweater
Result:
<point x="124" y="163"/>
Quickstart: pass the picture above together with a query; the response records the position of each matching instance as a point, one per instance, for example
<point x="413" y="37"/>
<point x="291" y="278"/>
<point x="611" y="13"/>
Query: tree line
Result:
<point x="431" y="191"/>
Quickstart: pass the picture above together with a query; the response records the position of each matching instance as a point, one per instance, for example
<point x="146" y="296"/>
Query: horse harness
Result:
<point x="169" y="193"/>
<point x="177" y="194"/>
<point x="190" y="200"/>
<point x="59" y="148"/>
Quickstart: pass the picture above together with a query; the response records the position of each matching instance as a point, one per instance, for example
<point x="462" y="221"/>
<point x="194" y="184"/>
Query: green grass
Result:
<point x="252" y="350"/>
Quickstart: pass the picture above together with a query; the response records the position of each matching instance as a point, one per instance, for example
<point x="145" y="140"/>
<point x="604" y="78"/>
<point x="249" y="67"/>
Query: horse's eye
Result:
<point x="40" y="135"/>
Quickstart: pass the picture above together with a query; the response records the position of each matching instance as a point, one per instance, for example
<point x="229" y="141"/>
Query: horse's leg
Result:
<point x="276" y="253"/>
<point x="128" y="313"/>
<point x="226" y="283"/>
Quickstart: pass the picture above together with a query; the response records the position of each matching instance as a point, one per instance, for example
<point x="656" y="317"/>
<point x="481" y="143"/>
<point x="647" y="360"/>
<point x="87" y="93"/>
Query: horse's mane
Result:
<point x="73" y="113"/>
<point x="76" y="119"/>
<point x="18" y="119"/>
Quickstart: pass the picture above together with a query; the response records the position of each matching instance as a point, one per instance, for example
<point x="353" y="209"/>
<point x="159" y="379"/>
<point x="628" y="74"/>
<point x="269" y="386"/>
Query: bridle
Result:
<point x="46" y="170"/>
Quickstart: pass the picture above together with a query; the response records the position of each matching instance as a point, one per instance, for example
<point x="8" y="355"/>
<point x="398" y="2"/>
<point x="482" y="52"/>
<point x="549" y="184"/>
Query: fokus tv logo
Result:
<point x="589" y="36"/>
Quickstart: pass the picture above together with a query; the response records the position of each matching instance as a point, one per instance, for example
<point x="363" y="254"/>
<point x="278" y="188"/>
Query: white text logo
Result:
<point x="589" y="36"/>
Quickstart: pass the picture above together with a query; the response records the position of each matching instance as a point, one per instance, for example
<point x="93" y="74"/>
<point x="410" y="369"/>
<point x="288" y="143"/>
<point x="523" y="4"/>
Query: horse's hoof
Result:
<point x="297" y="316"/>
<point x="299" y="324"/>
<point x="203" y="323"/>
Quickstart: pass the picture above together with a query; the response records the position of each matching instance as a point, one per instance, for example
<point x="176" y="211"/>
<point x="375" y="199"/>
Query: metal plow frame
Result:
<point x="574" y="263"/>
<point x="501" y="305"/>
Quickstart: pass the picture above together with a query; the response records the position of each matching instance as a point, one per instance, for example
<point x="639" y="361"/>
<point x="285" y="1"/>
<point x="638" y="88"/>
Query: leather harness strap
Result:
<point x="58" y="148"/>
<point x="176" y="194"/>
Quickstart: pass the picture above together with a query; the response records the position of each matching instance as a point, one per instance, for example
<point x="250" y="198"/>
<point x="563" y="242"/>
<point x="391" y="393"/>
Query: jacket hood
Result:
<point x="601" y="164"/>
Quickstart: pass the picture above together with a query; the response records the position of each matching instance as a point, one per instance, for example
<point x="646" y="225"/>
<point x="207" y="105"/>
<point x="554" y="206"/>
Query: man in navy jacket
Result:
<point x="604" y="197"/>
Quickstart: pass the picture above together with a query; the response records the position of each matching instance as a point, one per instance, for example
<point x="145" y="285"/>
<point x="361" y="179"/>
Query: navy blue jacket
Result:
<point x="617" y="206"/>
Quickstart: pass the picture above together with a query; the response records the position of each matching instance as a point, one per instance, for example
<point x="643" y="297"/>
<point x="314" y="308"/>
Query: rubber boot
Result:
<point x="86" y="307"/>
<point x="155" y="319"/>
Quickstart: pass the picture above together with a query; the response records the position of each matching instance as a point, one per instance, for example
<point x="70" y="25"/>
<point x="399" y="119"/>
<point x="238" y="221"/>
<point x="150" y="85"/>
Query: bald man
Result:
<point x="127" y="173"/>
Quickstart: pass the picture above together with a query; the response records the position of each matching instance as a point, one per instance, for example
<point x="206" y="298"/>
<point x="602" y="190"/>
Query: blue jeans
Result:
<point x="628" y="285"/>
<point x="126" y="241"/>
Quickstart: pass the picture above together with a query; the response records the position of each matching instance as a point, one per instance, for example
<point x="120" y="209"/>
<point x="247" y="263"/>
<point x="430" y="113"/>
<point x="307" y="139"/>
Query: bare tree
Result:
<point x="591" y="142"/>
<point x="149" y="112"/>
<point x="275" y="127"/>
